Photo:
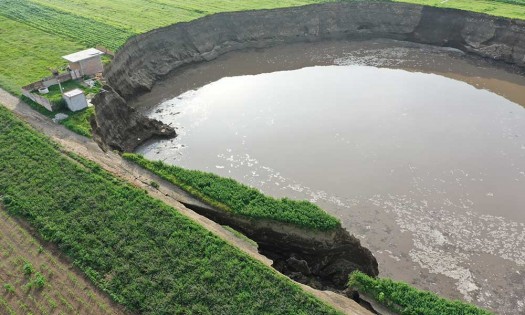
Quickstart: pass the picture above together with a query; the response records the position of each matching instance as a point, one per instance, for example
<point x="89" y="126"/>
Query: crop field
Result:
<point x="144" y="254"/>
<point x="34" y="280"/>
<point x="506" y="8"/>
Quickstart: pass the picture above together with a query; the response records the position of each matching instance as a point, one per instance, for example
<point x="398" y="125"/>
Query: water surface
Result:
<point x="419" y="151"/>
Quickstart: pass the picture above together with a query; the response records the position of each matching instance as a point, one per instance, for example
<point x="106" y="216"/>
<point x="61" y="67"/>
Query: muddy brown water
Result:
<point x="420" y="151"/>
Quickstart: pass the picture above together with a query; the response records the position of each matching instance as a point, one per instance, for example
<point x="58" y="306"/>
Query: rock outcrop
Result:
<point x="116" y="126"/>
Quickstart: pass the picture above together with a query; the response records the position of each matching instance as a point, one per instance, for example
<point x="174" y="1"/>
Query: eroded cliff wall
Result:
<point x="149" y="57"/>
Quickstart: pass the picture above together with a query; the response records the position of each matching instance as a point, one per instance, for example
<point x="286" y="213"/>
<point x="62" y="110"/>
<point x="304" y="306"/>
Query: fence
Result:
<point x="38" y="99"/>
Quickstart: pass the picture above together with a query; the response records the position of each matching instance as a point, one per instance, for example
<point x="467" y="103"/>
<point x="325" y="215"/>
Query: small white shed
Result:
<point x="75" y="100"/>
<point x="85" y="62"/>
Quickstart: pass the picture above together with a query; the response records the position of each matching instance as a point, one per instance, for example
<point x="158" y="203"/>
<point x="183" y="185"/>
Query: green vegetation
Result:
<point x="143" y="253"/>
<point x="404" y="299"/>
<point x="36" y="33"/>
<point x="154" y="185"/>
<point x="505" y="8"/>
<point x="140" y="16"/>
<point x="28" y="53"/>
<point x="241" y="236"/>
<point x="76" y="121"/>
<point x="39" y="281"/>
<point x="230" y="195"/>
<point x="79" y="121"/>
<point x="50" y="280"/>
<point x="27" y="267"/>
<point x="55" y="95"/>
<point x="67" y="25"/>
<point x="9" y="288"/>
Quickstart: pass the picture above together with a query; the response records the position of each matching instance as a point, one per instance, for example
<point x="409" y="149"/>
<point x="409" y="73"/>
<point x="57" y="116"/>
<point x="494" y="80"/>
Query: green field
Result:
<point x="26" y="53"/>
<point x="144" y="254"/>
<point x="232" y="196"/>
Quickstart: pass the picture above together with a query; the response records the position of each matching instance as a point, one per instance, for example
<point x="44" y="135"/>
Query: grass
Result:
<point x="505" y="8"/>
<point x="404" y="299"/>
<point x="55" y="95"/>
<point x="232" y="196"/>
<point x="144" y="254"/>
<point x="79" y="121"/>
<point x="241" y="236"/>
<point x="67" y="25"/>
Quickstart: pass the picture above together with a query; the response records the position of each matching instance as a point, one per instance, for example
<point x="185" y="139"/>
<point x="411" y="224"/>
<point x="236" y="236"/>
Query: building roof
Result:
<point x="73" y="93"/>
<point x="83" y="55"/>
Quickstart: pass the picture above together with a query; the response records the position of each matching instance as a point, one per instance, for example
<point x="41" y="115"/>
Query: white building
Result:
<point x="75" y="100"/>
<point x="85" y="62"/>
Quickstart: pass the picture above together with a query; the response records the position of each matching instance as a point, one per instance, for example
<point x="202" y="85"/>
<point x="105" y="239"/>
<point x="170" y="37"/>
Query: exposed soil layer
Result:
<point x="126" y="129"/>
<point x="150" y="57"/>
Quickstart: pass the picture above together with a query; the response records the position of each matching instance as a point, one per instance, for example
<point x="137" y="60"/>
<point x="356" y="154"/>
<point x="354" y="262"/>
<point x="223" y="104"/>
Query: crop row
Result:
<point x="145" y="254"/>
<point x="77" y="28"/>
<point x="230" y="195"/>
<point x="407" y="300"/>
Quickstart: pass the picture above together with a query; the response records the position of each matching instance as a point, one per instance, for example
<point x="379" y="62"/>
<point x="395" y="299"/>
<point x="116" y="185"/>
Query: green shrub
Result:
<point x="230" y="195"/>
<point x="404" y="299"/>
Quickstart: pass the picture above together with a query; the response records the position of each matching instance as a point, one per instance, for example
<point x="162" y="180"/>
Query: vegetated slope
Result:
<point x="145" y="254"/>
<point x="404" y="299"/>
<point x="35" y="281"/>
<point x="230" y="195"/>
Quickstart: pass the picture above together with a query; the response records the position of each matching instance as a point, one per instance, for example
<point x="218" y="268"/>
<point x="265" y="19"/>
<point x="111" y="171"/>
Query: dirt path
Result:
<point x="141" y="178"/>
